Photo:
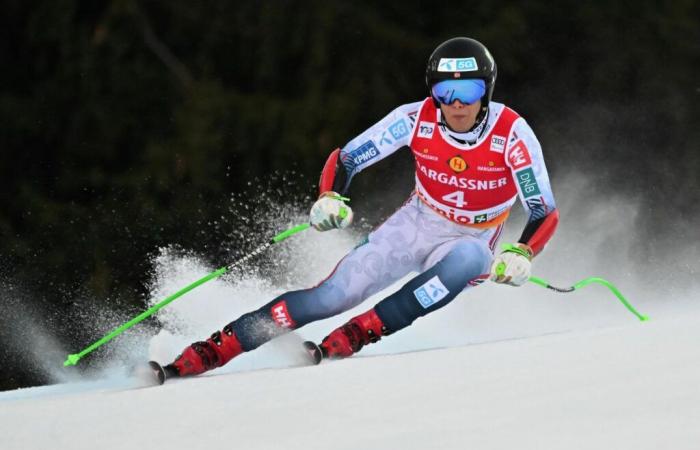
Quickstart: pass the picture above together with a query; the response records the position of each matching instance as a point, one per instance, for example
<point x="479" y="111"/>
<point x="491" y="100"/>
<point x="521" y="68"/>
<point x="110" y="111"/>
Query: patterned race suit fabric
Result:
<point x="447" y="231"/>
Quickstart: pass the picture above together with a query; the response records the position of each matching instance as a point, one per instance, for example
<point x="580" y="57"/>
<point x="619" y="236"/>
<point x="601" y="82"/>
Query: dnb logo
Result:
<point x="519" y="156"/>
<point x="431" y="292"/>
<point x="528" y="183"/>
<point x="458" y="164"/>
<point x="281" y="316"/>
<point x="425" y="129"/>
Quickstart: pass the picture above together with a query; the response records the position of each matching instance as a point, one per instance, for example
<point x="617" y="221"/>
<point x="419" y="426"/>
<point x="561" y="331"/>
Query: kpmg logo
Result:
<point x="425" y="129"/>
<point x="431" y="292"/>
<point x="457" y="65"/>
<point x="527" y="182"/>
<point x="363" y="153"/>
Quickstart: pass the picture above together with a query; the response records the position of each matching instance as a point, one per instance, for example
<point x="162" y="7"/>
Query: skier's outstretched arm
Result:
<point x="524" y="157"/>
<point x="374" y="144"/>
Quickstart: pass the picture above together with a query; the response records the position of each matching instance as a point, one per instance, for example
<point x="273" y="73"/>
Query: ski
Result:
<point x="314" y="351"/>
<point x="152" y="373"/>
<point x="158" y="372"/>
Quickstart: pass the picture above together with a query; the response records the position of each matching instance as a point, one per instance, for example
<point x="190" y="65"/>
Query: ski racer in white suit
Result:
<point x="474" y="158"/>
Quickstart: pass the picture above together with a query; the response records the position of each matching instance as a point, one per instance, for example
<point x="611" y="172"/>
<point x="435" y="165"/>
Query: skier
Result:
<point x="473" y="157"/>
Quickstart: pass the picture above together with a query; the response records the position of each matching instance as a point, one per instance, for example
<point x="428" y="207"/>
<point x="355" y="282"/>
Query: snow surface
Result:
<point x="630" y="387"/>
<point x="498" y="368"/>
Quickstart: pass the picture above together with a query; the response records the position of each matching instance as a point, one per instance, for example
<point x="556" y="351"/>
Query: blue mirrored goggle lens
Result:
<point x="466" y="91"/>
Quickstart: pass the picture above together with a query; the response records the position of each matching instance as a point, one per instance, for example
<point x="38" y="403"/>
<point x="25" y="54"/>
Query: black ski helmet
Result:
<point x="461" y="57"/>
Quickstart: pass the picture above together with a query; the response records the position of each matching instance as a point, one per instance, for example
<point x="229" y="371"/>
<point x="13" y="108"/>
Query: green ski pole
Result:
<point x="586" y="282"/>
<point x="75" y="357"/>
<point x="500" y="270"/>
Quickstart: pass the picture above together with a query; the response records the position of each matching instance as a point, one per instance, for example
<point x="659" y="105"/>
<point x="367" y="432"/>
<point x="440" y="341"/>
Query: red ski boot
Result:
<point x="348" y="339"/>
<point x="201" y="356"/>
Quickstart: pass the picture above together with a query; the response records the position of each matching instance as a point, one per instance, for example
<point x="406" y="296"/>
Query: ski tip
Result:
<point x="314" y="352"/>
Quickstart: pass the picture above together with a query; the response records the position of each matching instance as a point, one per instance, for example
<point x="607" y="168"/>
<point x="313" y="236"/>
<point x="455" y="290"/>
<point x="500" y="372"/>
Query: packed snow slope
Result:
<point x="635" y="386"/>
<point x="498" y="368"/>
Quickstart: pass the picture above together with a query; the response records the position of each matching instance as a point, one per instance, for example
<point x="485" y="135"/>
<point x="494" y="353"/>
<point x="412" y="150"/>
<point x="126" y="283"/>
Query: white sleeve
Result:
<point x="380" y="140"/>
<point x="524" y="157"/>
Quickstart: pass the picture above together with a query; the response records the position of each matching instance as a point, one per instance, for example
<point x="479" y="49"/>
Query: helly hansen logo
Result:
<point x="281" y="315"/>
<point x="431" y="292"/>
<point x="519" y="156"/>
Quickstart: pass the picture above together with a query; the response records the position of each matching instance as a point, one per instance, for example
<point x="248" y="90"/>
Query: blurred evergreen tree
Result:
<point x="127" y="125"/>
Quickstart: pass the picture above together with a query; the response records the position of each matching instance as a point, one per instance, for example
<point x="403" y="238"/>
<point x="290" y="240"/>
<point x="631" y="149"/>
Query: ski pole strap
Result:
<point x="340" y="197"/>
<point x="343" y="211"/>
<point x="586" y="282"/>
<point x="510" y="248"/>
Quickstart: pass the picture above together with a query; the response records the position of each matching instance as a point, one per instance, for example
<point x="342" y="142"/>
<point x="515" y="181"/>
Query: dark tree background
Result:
<point x="127" y="125"/>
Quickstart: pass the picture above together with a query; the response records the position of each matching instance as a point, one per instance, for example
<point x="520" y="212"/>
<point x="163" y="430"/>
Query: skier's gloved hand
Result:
<point x="513" y="265"/>
<point x="330" y="211"/>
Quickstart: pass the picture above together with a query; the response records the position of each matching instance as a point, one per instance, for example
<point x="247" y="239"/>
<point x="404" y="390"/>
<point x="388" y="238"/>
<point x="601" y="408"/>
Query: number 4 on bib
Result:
<point x="456" y="198"/>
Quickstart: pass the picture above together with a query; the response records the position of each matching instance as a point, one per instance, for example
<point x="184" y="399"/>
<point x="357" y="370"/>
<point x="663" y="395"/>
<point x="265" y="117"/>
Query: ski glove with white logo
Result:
<point x="512" y="266"/>
<point x="330" y="212"/>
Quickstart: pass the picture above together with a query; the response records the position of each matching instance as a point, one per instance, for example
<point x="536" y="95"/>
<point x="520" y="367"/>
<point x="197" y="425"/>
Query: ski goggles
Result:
<point x="466" y="91"/>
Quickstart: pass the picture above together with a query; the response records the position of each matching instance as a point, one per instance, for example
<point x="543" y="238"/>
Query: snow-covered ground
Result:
<point x="629" y="387"/>
<point x="498" y="368"/>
